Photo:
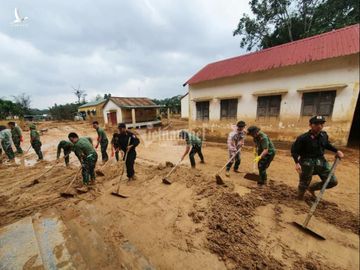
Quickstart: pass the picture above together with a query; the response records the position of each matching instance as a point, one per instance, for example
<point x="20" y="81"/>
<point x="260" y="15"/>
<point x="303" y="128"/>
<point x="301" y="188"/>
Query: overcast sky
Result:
<point x="126" y="48"/>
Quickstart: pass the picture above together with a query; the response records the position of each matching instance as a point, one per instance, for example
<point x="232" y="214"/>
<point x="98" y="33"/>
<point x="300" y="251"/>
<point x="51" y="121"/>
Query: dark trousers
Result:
<point x="130" y="160"/>
<point x="315" y="166"/>
<point x="37" y="147"/>
<point x="103" y="146"/>
<point x="237" y="161"/>
<point x="67" y="156"/>
<point x="17" y="142"/>
<point x="195" y="149"/>
<point x="263" y="164"/>
<point x="117" y="155"/>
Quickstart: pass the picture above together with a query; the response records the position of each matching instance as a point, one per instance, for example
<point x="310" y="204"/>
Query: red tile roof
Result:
<point x="132" y="102"/>
<point x="341" y="42"/>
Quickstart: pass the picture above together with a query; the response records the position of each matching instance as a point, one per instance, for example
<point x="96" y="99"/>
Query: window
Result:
<point x="318" y="103"/>
<point x="202" y="110"/>
<point x="228" y="108"/>
<point x="268" y="106"/>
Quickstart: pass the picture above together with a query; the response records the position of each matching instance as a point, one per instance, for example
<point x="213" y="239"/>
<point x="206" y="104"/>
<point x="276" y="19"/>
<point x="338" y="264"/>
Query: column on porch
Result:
<point x="133" y="116"/>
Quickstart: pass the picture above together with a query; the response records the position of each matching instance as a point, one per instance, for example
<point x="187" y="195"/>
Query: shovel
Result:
<point x="65" y="194"/>
<point x="303" y="226"/>
<point x="100" y="172"/>
<point x="166" y="180"/>
<point x="117" y="194"/>
<point x="219" y="180"/>
<point x="252" y="176"/>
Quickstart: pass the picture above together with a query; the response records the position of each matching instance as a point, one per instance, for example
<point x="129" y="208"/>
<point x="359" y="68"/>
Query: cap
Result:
<point x="252" y="129"/>
<point x="2" y="128"/>
<point x="183" y="134"/>
<point x="317" y="119"/>
<point x="122" y="125"/>
<point x="32" y="126"/>
<point x="241" y="124"/>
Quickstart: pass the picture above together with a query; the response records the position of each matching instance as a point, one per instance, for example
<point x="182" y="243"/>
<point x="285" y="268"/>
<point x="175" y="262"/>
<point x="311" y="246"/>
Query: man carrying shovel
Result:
<point x="5" y="137"/>
<point x="193" y="142"/>
<point x="102" y="140"/>
<point x="235" y="141"/>
<point x="265" y="151"/>
<point x="35" y="141"/>
<point x="86" y="153"/>
<point x="308" y="154"/>
<point x="16" y="137"/>
<point x="127" y="142"/>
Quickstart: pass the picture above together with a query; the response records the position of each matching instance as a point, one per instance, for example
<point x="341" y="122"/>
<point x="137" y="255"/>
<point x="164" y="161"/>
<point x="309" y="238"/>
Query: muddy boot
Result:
<point x="202" y="162"/>
<point x="227" y="173"/>
<point x="236" y="171"/>
<point x="312" y="192"/>
<point x="300" y="195"/>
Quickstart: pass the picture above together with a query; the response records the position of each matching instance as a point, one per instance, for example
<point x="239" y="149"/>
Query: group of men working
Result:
<point x="14" y="134"/>
<point x="307" y="151"/>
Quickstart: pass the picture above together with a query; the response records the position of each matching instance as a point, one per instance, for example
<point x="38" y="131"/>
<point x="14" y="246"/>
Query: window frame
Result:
<point x="316" y="96"/>
<point x="203" y="109"/>
<point x="235" y="102"/>
<point x="267" y="101"/>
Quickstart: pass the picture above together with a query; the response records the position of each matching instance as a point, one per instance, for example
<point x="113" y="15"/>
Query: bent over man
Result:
<point x="308" y="154"/>
<point x="16" y="136"/>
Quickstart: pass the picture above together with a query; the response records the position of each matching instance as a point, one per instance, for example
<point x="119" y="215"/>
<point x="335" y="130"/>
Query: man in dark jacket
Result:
<point x="126" y="142"/>
<point x="308" y="154"/>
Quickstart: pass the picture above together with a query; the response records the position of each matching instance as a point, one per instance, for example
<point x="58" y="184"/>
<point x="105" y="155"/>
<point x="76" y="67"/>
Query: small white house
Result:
<point x="133" y="111"/>
<point x="185" y="106"/>
<point x="280" y="88"/>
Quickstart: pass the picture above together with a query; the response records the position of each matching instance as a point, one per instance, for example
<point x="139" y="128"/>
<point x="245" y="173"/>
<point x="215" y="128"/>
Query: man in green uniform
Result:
<point x="85" y="151"/>
<point x="67" y="147"/>
<point x="308" y="154"/>
<point x="16" y="136"/>
<point x="35" y="141"/>
<point x="193" y="142"/>
<point x="102" y="140"/>
<point x="5" y="137"/>
<point x="265" y="151"/>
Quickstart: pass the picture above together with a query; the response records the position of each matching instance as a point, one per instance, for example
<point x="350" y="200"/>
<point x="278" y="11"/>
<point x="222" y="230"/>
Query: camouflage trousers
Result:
<point x="37" y="147"/>
<point x="315" y="166"/>
<point x="17" y="143"/>
<point x="8" y="150"/>
<point x="88" y="168"/>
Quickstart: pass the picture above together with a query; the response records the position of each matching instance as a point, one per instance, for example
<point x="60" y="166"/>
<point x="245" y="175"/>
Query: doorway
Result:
<point x="112" y="118"/>
<point x="354" y="137"/>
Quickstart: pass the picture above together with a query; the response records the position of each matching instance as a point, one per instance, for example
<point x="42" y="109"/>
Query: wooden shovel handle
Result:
<point x="233" y="156"/>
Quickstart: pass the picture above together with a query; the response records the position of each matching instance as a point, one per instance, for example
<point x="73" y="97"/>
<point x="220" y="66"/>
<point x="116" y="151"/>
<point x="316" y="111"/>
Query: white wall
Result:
<point x="344" y="70"/>
<point x="111" y="106"/>
<point x="185" y="107"/>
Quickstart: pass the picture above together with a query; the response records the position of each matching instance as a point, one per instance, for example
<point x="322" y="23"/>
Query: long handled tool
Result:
<point x="252" y="176"/>
<point x="66" y="194"/>
<point x="117" y="194"/>
<point x="166" y="180"/>
<point x="303" y="226"/>
<point x="219" y="180"/>
<point x="100" y="171"/>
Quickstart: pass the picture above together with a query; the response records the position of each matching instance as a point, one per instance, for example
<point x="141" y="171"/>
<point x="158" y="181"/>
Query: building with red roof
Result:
<point x="280" y="88"/>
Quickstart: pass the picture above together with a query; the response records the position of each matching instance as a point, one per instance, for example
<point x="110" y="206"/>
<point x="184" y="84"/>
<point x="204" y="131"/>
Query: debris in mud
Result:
<point x="169" y="164"/>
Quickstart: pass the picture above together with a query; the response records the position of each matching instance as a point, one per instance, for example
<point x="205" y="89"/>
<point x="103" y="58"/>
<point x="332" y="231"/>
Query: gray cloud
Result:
<point x="128" y="48"/>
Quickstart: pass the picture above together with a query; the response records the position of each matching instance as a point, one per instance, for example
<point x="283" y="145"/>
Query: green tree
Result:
<point x="64" y="112"/>
<point x="9" y="109"/>
<point x="277" y="22"/>
<point x="174" y="103"/>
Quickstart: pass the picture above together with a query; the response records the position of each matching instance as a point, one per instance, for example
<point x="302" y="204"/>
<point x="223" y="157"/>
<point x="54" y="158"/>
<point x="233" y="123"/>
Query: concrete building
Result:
<point x="134" y="112"/>
<point x="279" y="88"/>
<point x="185" y="106"/>
<point x="93" y="111"/>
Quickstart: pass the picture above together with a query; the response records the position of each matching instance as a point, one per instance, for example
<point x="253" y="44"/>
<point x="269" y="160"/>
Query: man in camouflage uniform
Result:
<point x="265" y="151"/>
<point x="16" y="136"/>
<point x="193" y="142"/>
<point x="67" y="147"/>
<point x="85" y="151"/>
<point x="235" y="141"/>
<point x="35" y="141"/>
<point x="308" y="154"/>
<point x="5" y="137"/>
<point x="102" y="140"/>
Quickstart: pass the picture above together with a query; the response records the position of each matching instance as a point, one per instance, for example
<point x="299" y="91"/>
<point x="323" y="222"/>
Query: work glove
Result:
<point x="257" y="159"/>
<point x="21" y="139"/>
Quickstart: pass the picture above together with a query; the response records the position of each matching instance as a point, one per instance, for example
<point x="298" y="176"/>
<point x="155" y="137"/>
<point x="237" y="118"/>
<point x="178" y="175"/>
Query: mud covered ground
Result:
<point x="194" y="223"/>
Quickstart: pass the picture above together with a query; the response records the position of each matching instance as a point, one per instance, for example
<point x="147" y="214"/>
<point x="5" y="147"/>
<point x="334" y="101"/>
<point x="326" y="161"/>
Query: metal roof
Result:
<point x="134" y="102"/>
<point x="341" y="42"/>
<point x="93" y="103"/>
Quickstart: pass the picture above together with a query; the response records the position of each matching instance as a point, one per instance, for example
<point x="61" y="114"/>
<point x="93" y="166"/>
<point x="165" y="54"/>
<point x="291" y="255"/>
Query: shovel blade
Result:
<point x="308" y="231"/>
<point x="99" y="173"/>
<point x="166" y="181"/>
<point x="118" y="195"/>
<point x="251" y="176"/>
<point x="219" y="180"/>
<point x="66" y="195"/>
